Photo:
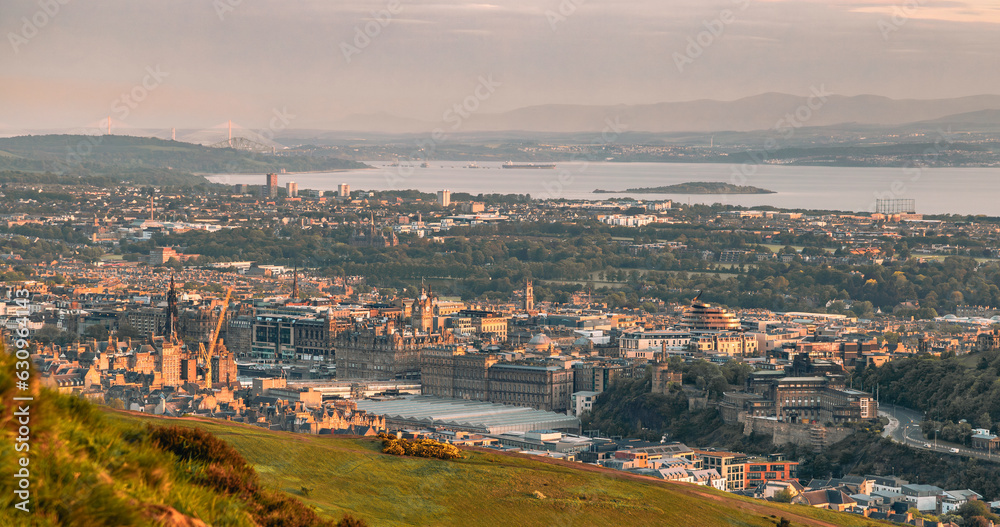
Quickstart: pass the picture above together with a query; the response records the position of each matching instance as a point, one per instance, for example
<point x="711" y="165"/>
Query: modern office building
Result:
<point x="759" y="471"/>
<point x="729" y="465"/>
<point x="270" y="188"/>
<point x="294" y="337"/>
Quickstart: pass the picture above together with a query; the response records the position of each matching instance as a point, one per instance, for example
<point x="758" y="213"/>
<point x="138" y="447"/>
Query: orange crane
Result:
<point x="206" y="355"/>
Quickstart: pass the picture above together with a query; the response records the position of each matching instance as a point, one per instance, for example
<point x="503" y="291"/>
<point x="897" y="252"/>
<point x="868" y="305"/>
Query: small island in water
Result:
<point x="701" y="187"/>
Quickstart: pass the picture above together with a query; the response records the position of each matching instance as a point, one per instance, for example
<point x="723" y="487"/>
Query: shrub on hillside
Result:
<point x="418" y="448"/>
<point x="223" y="468"/>
<point x="351" y="521"/>
<point x="213" y="463"/>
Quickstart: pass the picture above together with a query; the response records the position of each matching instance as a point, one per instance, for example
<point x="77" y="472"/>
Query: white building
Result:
<point x="581" y="402"/>
<point x="634" y="342"/>
<point x="923" y="497"/>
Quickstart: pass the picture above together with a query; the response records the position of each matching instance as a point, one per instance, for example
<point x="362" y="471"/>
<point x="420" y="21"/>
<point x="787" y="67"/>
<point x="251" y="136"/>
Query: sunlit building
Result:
<point x="704" y="317"/>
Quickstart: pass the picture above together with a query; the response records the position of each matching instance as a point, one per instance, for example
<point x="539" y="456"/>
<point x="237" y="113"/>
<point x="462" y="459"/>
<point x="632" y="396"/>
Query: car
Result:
<point x="954" y="450"/>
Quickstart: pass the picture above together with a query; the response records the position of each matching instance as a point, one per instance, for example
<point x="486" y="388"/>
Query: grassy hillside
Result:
<point x="485" y="488"/>
<point x="94" y="467"/>
<point x="144" y="160"/>
<point x="88" y="470"/>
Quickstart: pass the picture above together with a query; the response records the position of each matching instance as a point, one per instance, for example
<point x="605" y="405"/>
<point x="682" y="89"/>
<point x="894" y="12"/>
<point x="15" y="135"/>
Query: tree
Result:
<point x="863" y="309"/>
<point x="736" y="372"/>
<point x="978" y="521"/>
<point x="50" y="334"/>
<point x="976" y="509"/>
<point x="891" y="339"/>
<point x="784" y="496"/>
<point x="984" y="421"/>
<point x="97" y="332"/>
<point x="127" y="331"/>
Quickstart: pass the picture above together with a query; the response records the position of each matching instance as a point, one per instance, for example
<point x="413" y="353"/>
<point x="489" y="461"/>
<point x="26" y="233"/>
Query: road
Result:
<point x="904" y="427"/>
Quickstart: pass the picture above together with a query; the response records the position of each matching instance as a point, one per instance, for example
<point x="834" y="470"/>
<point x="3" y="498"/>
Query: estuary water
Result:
<point x="935" y="190"/>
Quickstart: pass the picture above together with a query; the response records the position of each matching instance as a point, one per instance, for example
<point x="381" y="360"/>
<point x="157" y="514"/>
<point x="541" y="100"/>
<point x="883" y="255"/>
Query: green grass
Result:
<point x="942" y="257"/>
<point x="99" y="467"/>
<point x="88" y="472"/>
<point x="485" y="488"/>
<point x="775" y="247"/>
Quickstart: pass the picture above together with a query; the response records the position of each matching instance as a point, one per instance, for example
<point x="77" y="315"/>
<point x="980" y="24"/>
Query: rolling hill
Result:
<point x="145" y="160"/>
<point x="93" y="467"/>
<point x="485" y="488"/>
<point x="759" y="112"/>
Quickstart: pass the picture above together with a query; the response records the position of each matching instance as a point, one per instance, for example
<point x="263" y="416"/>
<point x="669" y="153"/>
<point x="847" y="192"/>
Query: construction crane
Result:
<point x="206" y="355"/>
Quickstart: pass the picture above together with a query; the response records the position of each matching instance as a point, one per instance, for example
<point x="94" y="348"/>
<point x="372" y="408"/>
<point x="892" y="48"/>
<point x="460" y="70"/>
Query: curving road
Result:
<point x="904" y="427"/>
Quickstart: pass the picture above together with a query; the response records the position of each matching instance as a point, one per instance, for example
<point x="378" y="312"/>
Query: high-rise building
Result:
<point x="292" y="188"/>
<point x="271" y="189"/>
<point x="344" y="190"/>
<point x="444" y="198"/>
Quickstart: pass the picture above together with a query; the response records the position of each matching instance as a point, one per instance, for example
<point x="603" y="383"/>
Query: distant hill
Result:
<point x="759" y="112"/>
<point x="145" y="160"/>
<point x="985" y="121"/>
<point x="978" y="117"/>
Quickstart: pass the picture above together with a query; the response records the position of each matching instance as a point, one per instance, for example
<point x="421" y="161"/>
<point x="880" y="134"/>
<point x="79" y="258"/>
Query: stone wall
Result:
<point x="815" y="436"/>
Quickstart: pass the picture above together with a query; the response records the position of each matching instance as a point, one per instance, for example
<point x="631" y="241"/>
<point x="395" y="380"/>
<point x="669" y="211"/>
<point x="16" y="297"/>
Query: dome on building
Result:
<point x="540" y="342"/>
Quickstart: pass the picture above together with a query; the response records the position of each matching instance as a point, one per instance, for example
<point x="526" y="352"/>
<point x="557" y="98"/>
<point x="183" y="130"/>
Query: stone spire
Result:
<point x="170" y="328"/>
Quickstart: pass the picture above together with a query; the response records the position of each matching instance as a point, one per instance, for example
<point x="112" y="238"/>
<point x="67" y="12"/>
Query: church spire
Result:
<point x="170" y="328"/>
<point x="295" y="283"/>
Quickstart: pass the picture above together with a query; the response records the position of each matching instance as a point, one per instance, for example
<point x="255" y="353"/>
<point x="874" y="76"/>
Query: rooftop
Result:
<point x="475" y="415"/>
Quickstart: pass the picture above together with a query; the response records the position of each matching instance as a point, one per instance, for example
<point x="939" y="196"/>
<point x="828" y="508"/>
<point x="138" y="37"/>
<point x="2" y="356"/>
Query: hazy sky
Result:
<point x="248" y="59"/>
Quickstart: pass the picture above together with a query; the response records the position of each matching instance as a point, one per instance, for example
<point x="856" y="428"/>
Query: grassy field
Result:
<point x="941" y="257"/>
<point x="351" y="476"/>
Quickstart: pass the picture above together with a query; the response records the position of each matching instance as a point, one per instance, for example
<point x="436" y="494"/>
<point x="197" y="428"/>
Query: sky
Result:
<point x="315" y="64"/>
